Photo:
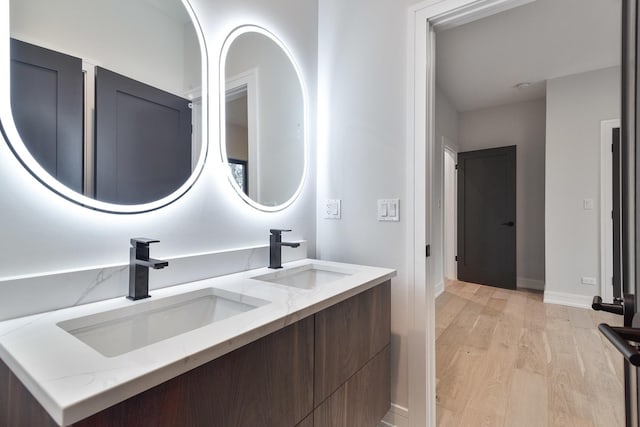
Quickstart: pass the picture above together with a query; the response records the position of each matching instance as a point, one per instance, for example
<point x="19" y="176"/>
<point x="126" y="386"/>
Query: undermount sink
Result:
<point x="122" y="330"/>
<point x="306" y="276"/>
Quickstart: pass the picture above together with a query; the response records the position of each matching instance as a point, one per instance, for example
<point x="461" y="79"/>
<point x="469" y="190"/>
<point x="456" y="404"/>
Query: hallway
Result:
<point x="506" y="359"/>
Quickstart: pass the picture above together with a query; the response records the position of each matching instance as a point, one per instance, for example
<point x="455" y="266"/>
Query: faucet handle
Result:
<point x="138" y="242"/>
<point x="276" y="231"/>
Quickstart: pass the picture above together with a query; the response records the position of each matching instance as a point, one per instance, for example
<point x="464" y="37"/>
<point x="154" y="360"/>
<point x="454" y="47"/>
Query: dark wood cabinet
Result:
<point x="348" y="335"/>
<point x="361" y="401"/>
<point x="18" y="408"/>
<point x="307" y="422"/>
<point x="329" y="369"/>
<point x="265" y="383"/>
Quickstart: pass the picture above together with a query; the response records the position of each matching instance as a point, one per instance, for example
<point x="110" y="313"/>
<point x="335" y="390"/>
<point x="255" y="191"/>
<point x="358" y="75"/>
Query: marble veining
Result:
<point x="102" y="276"/>
<point x="71" y="288"/>
<point x="72" y="380"/>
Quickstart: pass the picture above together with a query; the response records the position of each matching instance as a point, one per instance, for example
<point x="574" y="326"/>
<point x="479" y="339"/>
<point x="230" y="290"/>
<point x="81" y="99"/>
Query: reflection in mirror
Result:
<point x="106" y="94"/>
<point x="264" y="119"/>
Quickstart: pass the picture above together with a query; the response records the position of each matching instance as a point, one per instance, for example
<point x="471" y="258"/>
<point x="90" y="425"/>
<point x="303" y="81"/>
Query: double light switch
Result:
<point x="389" y="210"/>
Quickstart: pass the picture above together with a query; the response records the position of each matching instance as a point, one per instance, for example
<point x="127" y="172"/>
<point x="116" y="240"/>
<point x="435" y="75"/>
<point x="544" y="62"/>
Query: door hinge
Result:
<point x="428" y="251"/>
<point x="456" y="167"/>
<point x="456" y="257"/>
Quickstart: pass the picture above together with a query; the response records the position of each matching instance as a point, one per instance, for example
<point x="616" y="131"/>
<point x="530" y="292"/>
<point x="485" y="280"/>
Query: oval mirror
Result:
<point x="106" y="99"/>
<point x="263" y="119"/>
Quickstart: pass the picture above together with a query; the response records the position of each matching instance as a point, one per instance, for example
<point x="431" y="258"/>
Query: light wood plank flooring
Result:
<point x="504" y="358"/>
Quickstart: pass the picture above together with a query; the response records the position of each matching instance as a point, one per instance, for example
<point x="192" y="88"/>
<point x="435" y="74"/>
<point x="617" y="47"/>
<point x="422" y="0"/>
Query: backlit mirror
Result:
<point x="106" y="99"/>
<point x="263" y="119"/>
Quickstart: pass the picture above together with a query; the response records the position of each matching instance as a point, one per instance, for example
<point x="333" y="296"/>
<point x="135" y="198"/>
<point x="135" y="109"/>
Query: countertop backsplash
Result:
<point x="23" y="296"/>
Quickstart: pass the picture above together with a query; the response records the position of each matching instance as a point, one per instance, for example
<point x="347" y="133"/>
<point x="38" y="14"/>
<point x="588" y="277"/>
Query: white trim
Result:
<point x="398" y="416"/>
<point x="249" y="79"/>
<point x="420" y="144"/>
<point x="471" y="13"/>
<point x="89" y="81"/>
<point x="448" y="148"/>
<point x="439" y="289"/>
<point x="606" y="206"/>
<point x="421" y="354"/>
<point x="570" y="300"/>
<point x="533" y="284"/>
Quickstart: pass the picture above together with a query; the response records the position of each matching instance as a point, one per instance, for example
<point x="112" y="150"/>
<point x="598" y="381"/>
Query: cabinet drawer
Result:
<point x="363" y="400"/>
<point x="348" y="335"/>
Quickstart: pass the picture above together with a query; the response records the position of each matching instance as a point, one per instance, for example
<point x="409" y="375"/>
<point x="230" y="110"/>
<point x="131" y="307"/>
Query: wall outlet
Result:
<point x="333" y="209"/>
<point x="589" y="281"/>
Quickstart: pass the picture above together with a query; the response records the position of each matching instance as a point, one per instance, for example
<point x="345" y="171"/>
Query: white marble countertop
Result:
<point x="73" y="381"/>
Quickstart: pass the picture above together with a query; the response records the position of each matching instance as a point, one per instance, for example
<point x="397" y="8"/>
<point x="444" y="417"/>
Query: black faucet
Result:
<point x="275" y="248"/>
<point x="139" y="263"/>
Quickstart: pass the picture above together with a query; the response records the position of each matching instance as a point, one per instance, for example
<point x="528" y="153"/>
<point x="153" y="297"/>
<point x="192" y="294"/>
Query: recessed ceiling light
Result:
<point x="522" y="85"/>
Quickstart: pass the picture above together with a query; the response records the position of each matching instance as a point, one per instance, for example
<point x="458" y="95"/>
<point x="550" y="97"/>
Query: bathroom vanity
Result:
<point x="307" y="345"/>
<point x="304" y="345"/>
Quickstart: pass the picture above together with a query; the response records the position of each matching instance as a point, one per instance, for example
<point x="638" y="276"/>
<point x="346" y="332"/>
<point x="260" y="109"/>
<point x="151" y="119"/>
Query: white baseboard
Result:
<point x="536" y="285"/>
<point x="439" y="289"/>
<point x="398" y="416"/>
<point x="571" y="300"/>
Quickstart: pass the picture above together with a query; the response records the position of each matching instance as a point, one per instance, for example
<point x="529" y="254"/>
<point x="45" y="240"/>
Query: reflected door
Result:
<point x="143" y="140"/>
<point x="47" y="106"/>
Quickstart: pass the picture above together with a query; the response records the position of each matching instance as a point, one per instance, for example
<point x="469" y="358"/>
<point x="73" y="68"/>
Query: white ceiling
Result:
<point x="478" y="64"/>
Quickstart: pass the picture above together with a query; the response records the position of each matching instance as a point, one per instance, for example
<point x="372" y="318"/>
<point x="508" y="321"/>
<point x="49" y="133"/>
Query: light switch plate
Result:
<point x="333" y="209"/>
<point x="389" y="210"/>
<point x="587" y="204"/>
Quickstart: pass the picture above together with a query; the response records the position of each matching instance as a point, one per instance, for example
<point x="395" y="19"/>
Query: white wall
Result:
<point x="523" y="125"/>
<point x="446" y="126"/>
<point x="43" y="233"/>
<point x="447" y="119"/>
<point x="361" y="147"/>
<point x="575" y="106"/>
<point x="129" y="37"/>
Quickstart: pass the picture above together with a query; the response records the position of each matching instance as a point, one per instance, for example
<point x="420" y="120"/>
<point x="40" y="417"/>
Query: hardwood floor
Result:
<point x="503" y="358"/>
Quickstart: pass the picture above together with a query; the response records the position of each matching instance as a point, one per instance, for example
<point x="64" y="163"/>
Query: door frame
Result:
<point x="419" y="162"/>
<point x="248" y="79"/>
<point x="606" y="205"/>
<point x="447" y="148"/>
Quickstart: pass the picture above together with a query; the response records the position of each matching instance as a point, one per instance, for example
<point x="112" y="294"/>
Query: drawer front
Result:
<point x="363" y="400"/>
<point x="348" y="335"/>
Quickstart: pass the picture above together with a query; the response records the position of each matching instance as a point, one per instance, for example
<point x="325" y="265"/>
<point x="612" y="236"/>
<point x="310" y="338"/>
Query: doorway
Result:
<point x="455" y="13"/>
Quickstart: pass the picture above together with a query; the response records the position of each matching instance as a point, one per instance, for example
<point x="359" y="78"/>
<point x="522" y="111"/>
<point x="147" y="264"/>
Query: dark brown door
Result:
<point x="47" y="90"/>
<point x="487" y="217"/>
<point x="143" y="140"/>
